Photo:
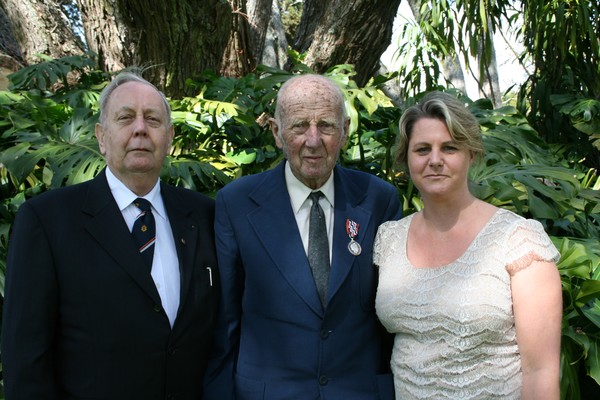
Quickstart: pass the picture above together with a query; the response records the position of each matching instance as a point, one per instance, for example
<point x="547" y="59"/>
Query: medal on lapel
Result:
<point x="352" y="231"/>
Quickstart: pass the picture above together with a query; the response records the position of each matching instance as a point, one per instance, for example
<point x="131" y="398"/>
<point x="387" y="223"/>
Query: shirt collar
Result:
<point x="299" y="192"/>
<point x="124" y="196"/>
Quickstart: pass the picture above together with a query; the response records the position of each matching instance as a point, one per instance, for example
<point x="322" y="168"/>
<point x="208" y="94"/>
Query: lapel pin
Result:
<point x="352" y="231"/>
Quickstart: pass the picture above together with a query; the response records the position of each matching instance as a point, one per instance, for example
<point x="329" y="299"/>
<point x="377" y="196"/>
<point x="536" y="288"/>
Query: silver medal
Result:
<point x="354" y="248"/>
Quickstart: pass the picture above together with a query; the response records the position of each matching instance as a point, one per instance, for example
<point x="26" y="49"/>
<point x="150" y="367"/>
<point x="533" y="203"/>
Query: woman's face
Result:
<point x="438" y="165"/>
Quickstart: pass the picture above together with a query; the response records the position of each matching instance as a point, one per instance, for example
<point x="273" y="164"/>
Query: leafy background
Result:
<point x="47" y="141"/>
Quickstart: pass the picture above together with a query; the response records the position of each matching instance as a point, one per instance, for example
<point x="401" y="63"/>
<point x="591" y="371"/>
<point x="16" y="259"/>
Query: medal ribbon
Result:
<point x="352" y="228"/>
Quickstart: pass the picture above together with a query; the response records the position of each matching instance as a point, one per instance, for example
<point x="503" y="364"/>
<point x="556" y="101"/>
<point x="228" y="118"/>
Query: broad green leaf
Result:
<point x="593" y="361"/>
<point x="243" y="157"/>
<point x="19" y="161"/>
<point x="590" y="289"/>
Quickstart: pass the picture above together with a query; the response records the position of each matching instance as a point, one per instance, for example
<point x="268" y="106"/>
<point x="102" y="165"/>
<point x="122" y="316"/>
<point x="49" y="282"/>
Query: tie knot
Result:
<point x="315" y="196"/>
<point x="142" y="204"/>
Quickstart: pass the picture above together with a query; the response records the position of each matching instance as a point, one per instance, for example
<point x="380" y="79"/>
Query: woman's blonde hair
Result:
<point x="461" y="123"/>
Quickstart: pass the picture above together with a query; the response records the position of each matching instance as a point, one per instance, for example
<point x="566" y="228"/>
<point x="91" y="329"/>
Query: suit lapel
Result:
<point x="347" y="207"/>
<point x="275" y="225"/>
<point x="185" y="235"/>
<point x="107" y="226"/>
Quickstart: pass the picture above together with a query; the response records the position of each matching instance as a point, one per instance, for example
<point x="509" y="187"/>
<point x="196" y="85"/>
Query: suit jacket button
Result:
<point x="323" y="380"/>
<point x="157" y="308"/>
<point x="324" y="333"/>
<point x="172" y="351"/>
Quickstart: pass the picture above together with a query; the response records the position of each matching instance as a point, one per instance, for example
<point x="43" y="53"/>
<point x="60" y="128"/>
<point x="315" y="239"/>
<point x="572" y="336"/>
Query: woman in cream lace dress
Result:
<point x="471" y="291"/>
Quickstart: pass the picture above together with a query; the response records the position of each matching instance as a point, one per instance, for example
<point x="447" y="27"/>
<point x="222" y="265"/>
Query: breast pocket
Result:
<point x="203" y="287"/>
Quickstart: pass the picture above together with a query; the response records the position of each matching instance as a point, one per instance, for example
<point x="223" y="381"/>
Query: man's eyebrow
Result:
<point x="145" y="110"/>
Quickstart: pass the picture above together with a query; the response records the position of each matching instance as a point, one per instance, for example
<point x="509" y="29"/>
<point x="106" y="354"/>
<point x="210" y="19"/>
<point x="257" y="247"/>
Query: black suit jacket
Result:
<point x="82" y="316"/>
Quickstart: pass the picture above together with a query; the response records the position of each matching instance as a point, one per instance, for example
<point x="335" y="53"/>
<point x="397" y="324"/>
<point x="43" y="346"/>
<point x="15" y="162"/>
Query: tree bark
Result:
<point x="489" y="80"/>
<point x="10" y="51"/>
<point x="489" y="83"/>
<point x="238" y="59"/>
<point x="274" y="53"/>
<point x="346" y="32"/>
<point x="173" y="39"/>
<point x="259" y="16"/>
<point x="38" y="26"/>
<point x="453" y="72"/>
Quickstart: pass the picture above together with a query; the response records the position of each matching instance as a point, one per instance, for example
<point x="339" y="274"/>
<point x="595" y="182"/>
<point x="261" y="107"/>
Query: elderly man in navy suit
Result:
<point x="297" y="318"/>
<point x="90" y="312"/>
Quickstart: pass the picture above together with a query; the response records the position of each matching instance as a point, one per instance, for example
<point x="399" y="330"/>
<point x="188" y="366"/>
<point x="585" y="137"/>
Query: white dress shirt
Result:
<point x="301" y="204"/>
<point x="165" y="264"/>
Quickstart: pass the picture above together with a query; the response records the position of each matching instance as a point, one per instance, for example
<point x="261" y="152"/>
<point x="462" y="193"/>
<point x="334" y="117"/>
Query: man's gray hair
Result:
<point x="120" y="79"/>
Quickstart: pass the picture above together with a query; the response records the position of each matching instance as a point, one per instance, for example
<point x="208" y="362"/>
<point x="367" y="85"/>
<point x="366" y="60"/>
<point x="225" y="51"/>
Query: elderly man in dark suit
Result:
<point x="92" y="313"/>
<point x="295" y="252"/>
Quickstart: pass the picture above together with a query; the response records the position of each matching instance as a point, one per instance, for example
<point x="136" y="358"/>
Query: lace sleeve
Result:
<point x="378" y="245"/>
<point x="390" y="241"/>
<point x="528" y="242"/>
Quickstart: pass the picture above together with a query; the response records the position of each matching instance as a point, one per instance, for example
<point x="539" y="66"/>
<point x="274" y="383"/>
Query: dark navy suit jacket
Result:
<point x="274" y="340"/>
<point x="82" y="316"/>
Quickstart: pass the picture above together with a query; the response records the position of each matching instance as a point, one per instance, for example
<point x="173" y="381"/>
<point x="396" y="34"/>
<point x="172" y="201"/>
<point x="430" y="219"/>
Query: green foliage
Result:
<point x="561" y="38"/>
<point x="445" y="29"/>
<point x="583" y="114"/>
<point x="50" y="72"/>
<point x="47" y="141"/>
<point x="417" y="54"/>
<point x="560" y="97"/>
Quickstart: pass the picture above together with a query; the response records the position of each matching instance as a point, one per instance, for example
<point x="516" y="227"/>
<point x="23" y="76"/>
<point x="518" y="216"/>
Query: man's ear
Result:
<point x="100" y="138"/>
<point x="171" y="136"/>
<point x="345" y="132"/>
<point x="275" y="130"/>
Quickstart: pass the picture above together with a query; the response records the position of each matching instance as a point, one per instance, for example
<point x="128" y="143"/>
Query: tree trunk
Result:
<point x="489" y="81"/>
<point x="10" y="51"/>
<point x="259" y="15"/>
<point x="38" y="26"/>
<point x="453" y="72"/>
<point x="346" y="32"/>
<point x="274" y="53"/>
<point x="238" y="59"/>
<point x="172" y="39"/>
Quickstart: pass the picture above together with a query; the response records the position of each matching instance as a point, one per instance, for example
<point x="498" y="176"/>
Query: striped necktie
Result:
<point x="144" y="230"/>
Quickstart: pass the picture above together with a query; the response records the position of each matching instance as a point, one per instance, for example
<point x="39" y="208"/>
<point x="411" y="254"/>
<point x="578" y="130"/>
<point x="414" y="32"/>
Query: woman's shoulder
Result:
<point x="397" y="224"/>
<point x="514" y="221"/>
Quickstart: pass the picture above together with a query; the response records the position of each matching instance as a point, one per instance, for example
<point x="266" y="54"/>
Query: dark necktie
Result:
<point x="318" y="247"/>
<point x="144" y="230"/>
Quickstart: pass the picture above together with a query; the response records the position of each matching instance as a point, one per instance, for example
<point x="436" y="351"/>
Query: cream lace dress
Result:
<point x="454" y="326"/>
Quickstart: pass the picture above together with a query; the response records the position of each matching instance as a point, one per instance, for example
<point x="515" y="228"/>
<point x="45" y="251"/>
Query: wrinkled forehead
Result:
<point x="135" y="94"/>
<point x="311" y="98"/>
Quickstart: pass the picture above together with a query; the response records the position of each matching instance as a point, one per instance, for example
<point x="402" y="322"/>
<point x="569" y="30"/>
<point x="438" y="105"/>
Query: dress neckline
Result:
<point x="451" y="264"/>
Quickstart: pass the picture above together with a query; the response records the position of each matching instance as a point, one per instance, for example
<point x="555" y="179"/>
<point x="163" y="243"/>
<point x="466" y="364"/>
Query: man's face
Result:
<point x="312" y="130"/>
<point x="135" y="136"/>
